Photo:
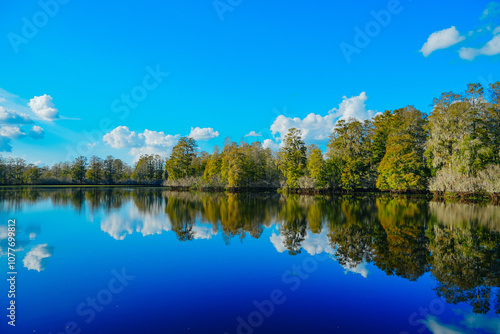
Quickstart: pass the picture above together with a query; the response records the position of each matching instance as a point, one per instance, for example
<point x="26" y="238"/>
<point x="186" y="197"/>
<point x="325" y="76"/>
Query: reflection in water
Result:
<point x="36" y="258"/>
<point x="458" y="244"/>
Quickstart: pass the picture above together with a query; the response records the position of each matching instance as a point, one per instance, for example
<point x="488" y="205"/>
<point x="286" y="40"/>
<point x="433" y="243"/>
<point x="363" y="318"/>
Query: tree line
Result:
<point x="456" y="148"/>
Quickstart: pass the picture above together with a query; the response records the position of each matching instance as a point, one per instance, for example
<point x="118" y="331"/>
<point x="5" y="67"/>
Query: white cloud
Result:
<point x="34" y="259"/>
<point x="148" y="142"/>
<point x="10" y="116"/>
<point x="36" y="132"/>
<point x="5" y="144"/>
<point x="496" y="31"/>
<point x="480" y="321"/>
<point x="358" y="269"/>
<point x="122" y="137"/>
<point x="12" y="132"/>
<point x="278" y="242"/>
<point x="158" y="139"/>
<point x="2" y="99"/>
<point x="203" y="133"/>
<point x="317" y="244"/>
<point x="489" y="49"/>
<point x="441" y="40"/>
<point x="269" y="143"/>
<point x="203" y="231"/>
<point x="316" y="127"/>
<point x="253" y="134"/>
<point x="436" y="327"/>
<point x="121" y="223"/>
<point x="43" y="107"/>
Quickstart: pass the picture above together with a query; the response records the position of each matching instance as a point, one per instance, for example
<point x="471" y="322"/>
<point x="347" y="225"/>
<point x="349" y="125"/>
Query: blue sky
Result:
<point x="100" y="77"/>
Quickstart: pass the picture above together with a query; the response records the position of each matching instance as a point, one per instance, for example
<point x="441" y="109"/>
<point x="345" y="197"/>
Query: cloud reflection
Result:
<point x="36" y="258"/>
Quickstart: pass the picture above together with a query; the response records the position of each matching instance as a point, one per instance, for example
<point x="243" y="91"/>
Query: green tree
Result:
<point x="293" y="158"/>
<point x="403" y="166"/>
<point x="179" y="164"/>
<point x="349" y="152"/>
<point x="493" y="121"/>
<point x="95" y="170"/>
<point x="109" y="171"/>
<point x="78" y="169"/>
<point x="213" y="167"/>
<point x="379" y="136"/>
<point x="32" y="174"/>
<point x="149" y="168"/>
<point x="316" y="166"/>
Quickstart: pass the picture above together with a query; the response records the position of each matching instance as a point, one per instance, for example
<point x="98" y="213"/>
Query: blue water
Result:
<point x="125" y="259"/>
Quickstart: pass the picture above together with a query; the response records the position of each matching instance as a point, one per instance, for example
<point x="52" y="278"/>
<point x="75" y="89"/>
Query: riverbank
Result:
<point x="468" y="197"/>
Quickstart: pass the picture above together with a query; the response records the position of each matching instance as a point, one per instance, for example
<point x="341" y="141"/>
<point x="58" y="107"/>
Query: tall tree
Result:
<point x="349" y="149"/>
<point x="316" y="167"/>
<point x="293" y="158"/>
<point x="95" y="170"/>
<point x="403" y="166"/>
<point x="179" y="164"/>
<point x="78" y="169"/>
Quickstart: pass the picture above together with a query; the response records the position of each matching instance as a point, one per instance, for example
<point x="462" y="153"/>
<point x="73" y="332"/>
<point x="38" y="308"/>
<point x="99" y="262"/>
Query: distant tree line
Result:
<point x="456" y="148"/>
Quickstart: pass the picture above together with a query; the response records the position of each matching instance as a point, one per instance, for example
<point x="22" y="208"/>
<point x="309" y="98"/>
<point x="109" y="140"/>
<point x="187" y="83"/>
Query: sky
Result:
<point x="128" y="78"/>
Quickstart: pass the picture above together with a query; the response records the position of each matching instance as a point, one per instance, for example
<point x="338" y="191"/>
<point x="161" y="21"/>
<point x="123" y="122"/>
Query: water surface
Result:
<point x="145" y="260"/>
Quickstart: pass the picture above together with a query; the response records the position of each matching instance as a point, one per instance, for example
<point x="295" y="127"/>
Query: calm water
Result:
<point x="152" y="261"/>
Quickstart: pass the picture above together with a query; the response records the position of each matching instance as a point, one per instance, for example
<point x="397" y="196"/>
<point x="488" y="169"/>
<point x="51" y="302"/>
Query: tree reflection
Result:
<point x="293" y="224"/>
<point x="350" y="230"/>
<point x="466" y="265"/>
<point x="402" y="236"/>
<point x="400" y="240"/>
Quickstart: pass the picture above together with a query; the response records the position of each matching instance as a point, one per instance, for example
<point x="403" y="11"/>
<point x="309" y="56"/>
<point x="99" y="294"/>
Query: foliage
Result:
<point x="349" y="150"/>
<point x="149" y="168"/>
<point x="456" y="148"/>
<point x="180" y="163"/>
<point x="292" y="157"/>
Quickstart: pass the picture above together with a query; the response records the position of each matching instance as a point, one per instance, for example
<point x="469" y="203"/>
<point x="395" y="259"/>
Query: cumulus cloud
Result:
<point x="203" y="133"/>
<point x="203" y="231"/>
<point x="147" y="142"/>
<point x="317" y="244"/>
<point x="12" y="132"/>
<point x="489" y="49"/>
<point x="480" y="321"/>
<point x="358" y="269"/>
<point x="441" y="40"/>
<point x="5" y="144"/>
<point x="436" y="327"/>
<point x="121" y="223"/>
<point x="36" y="258"/>
<point x="269" y="143"/>
<point x="122" y="137"/>
<point x="158" y="139"/>
<point x="36" y="132"/>
<point x="278" y="242"/>
<point x="316" y="127"/>
<point x="253" y="134"/>
<point x="9" y="116"/>
<point x="43" y="107"/>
